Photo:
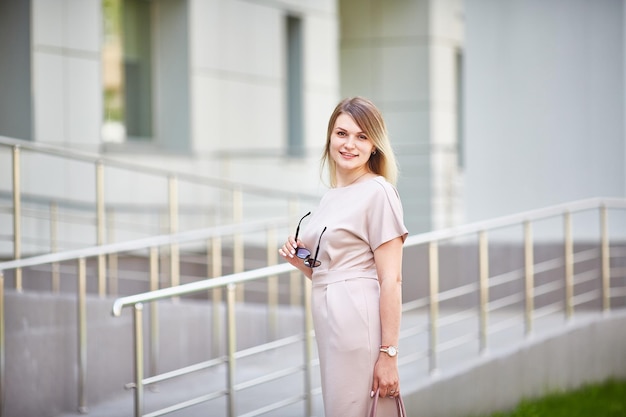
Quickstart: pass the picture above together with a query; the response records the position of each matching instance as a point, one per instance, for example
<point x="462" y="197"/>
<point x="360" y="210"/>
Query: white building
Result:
<point x="493" y="106"/>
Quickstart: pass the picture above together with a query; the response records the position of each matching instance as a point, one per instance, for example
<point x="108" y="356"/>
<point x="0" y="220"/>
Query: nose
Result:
<point x="349" y="143"/>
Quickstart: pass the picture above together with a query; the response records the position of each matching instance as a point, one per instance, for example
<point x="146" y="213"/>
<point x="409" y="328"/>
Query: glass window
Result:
<point x="458" y="69"/>
<point x="295" y="138"/>
<point x="127" y="70"/>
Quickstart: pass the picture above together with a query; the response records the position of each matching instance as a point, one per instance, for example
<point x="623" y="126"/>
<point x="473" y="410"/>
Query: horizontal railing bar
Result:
<point x="586" y="255"/>
<point x="194" y="287"/>
<point x="548" y="287"/>
<point x="414" y="305"/>
<point x="186" y="404"/>
<point x="83" y="156"/>
<point x="455" y="342"/>
<point x="515" y="219"/>
<point x="61" y="218"/>
<point x="505" y="301"/>
<point x="506" y="277"/>
<point x="412" y="357"/>
<point x="120" y="208"/>
<point x="618" y="292"/>
<point x="549" y="265"/>
<point x="182" y="371"/>
<point x="413" y="331"/>
<point x="140" y="244"/>
<point x="457" y="317"/>
<point x="582" y="277"/>
<point x="556" y="307"/>
<point x="265" y="347"/>
<point x="505" y="324"/>
<point x="456" y="292"/>
<point x="272" y="376"/>
<point x="585" y="297"/>
<point x="274" y="406"/>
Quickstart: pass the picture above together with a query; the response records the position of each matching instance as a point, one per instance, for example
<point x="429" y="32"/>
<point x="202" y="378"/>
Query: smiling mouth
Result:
<point x="350" y="155"/>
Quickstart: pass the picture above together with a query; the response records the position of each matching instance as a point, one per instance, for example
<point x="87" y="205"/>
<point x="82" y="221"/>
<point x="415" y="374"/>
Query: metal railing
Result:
<point x="209" y="241"/>
<point x="553" y="286"/>
<point x="568" y="259"/>
<point x="82" y="211"/>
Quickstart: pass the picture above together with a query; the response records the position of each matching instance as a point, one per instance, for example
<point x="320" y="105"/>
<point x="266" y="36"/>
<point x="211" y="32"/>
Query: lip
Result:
<point x="348" y="155"/>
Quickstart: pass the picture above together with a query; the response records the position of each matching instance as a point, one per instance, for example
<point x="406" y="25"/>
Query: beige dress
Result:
<point x="345" y="297"/>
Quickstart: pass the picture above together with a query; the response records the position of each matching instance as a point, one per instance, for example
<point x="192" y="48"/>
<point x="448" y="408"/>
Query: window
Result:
<point x="127" y="70"/>
<point x="295" y="131"/>
<point x="458" y="69"/>
<point x="16" y="102"/>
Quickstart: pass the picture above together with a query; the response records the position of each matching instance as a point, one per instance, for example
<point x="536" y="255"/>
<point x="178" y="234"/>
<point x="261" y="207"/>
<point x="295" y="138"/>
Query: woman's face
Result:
<point x="350" y="148"/>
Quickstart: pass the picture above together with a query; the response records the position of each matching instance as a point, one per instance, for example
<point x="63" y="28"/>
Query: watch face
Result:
<point x="392" y="351"/>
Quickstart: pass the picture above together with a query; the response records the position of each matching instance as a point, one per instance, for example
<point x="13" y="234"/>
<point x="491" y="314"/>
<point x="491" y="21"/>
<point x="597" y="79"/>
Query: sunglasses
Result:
<point x="304" y="253"/>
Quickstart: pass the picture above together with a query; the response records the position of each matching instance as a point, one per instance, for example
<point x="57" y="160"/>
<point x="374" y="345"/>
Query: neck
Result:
<point x="351" y="179"/>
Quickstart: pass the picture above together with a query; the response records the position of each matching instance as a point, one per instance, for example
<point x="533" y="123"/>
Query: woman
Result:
<point x="351" y="249"/>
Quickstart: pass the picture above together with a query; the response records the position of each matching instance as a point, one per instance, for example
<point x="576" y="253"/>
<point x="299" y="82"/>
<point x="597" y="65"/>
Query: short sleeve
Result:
<point x="385" y="217"/>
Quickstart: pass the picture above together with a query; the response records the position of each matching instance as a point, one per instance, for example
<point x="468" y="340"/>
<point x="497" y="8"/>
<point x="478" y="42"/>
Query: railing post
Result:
<point x="272" y="283"/>
<point x="138" y="338"/>
<point x="216" y="293"/>
<point x="238" y="249"/>
<point x="605" y="252"/>
<point x="17" y="215"/>
<point x="173" y="214"/>
<point x="308" y="348"/>
<point x="82" y="336"/>
<point x="2" y="344"/>
<point x="483" y="266"/>
<point x="231" y="347"/>
<point x="100" y="227"/>
<point x="112" y="258"/>
<point x="433" y="262"/>
<point x="569" y="265"/>
<point x="295" y="277"/>
<point x="56" y="270"/>
<point x="154" y="312"/>
<point x="529" y="271"/>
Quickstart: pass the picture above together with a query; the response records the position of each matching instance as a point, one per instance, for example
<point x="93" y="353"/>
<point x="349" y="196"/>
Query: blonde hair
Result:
<point x="367" y="116"/>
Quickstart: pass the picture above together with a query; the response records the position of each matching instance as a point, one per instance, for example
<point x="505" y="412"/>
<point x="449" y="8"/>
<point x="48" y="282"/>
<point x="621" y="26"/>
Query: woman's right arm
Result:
<point x="288" y="252"/>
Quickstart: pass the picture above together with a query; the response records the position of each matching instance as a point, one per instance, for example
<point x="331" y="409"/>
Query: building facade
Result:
<point x="239" y="89"/>
<point x="493" y="107"/>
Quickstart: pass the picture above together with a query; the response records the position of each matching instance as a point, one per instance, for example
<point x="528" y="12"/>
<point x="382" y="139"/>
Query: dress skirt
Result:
<point x="346" y="316"/>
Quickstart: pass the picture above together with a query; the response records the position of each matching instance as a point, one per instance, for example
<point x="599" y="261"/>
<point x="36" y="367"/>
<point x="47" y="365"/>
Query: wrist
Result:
<point x="389" y="350"/>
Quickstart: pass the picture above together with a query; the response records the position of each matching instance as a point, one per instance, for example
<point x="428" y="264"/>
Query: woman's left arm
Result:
<point x="388" y="258"/>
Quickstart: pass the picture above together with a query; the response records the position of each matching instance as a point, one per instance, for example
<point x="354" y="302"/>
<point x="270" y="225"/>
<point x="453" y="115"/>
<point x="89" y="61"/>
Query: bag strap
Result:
<point x="399" y="405"/>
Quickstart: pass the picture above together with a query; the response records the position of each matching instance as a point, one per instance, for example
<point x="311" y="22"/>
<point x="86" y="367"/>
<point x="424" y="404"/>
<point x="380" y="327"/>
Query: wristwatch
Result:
<point x="389" y="350"/>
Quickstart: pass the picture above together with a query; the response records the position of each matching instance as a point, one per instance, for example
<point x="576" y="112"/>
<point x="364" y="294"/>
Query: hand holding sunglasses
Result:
<point x="304" y="253"/>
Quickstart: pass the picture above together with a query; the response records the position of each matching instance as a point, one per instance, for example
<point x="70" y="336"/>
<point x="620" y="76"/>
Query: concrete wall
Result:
<point x="544" y="104"/>
<point x="41" y="353"/>
<point x="402" y="55"/>
<point x="42" y="371"/>
<point x="563" y="360"/>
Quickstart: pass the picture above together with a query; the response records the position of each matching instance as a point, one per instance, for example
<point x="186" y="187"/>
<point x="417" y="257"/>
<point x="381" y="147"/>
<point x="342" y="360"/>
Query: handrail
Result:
<point x="431" y="302"/>
<point x="487" y="305"/>
<point x="212" y="234"/>
<point x="166" y="239"/>
<point x="427" y="237"/>
<point x="94" y="158"/>
<point x="191" y="288"/>
<point x="513" y="219"/>
<point x="198" y="286"/>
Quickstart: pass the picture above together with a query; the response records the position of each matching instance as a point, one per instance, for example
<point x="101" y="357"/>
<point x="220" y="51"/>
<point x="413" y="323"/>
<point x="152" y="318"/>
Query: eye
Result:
<point x="340" y="133"/>
<point x="362" y="137"/>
